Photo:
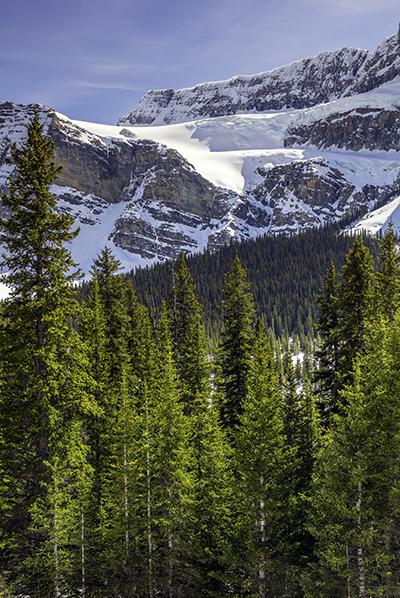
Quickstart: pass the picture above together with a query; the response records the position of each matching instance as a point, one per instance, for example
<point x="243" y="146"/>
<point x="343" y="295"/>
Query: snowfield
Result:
<point x="379" y="220"/>
<point x="228" y="150"/>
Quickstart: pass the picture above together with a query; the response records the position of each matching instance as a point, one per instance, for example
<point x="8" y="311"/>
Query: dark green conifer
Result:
<point x="45" y="388"/>
<point x="236" y="344"/>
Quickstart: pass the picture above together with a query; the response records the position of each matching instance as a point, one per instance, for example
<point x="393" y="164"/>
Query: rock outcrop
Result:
<point x="298" y="85"/>
<point x="363" y="128"/>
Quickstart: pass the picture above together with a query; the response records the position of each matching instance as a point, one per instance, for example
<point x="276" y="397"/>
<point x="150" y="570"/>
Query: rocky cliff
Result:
<point x="304" y="83"/>
<point x="297" y="85"/>
<point x="152" y="192"/>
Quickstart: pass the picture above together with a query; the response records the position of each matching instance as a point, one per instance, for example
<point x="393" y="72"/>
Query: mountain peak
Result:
<point x="301" y="84"/>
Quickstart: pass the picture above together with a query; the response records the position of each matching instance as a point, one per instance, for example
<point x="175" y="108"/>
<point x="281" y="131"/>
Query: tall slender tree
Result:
<point x="45" y="385"/>
<point x="261" y="457"/>
<point x="387" y="288"/>
<point x="326" y="374"/>
<point x="355" y="304"/>
<point x="236" y="344"/>
<point x="188" y="334"/>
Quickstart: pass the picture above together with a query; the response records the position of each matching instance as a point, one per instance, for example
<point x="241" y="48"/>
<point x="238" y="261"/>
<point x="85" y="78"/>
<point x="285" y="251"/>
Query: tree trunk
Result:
<point x="126" y="502"/>
<point x="149" y="509"/>
<point x="261" y="569"/>
<point x="83" y="556"/>
<point x="360" y="554"/>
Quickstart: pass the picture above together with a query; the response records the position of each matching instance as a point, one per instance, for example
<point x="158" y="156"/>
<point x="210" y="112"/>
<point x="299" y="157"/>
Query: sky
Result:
<point x="94" y="59"/>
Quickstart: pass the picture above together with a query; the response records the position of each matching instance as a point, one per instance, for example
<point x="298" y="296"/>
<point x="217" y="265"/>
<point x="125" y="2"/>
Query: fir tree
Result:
<point x="188" y="333"/>
<point x="387" y="288"/>
<point x="45" y="382"/>
<point x="355" y="516"/>
<point x="211" y="513"/>
<point x="301" y="434"/>
<point x="236" y="344"/>
<point x="355" y="302"/>
<point x="261" y="458"/>
<point x="326" y="375"/>
<point x="172" y="483"/>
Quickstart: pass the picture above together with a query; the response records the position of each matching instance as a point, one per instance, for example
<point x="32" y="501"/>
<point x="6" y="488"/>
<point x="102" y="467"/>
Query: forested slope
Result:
<point x="285" y="272"/>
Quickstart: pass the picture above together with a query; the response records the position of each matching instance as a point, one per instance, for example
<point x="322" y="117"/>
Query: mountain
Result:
<point x="278" y="152"/>
<point x="301" y="84"/>
<point x="297" y="85"/>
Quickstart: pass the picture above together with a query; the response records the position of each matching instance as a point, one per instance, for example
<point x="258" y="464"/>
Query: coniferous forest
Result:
<point x="135" y="462"/>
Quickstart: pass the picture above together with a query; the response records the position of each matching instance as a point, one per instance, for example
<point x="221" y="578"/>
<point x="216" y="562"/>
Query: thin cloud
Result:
<point x="353" y="7"/>
<point x="101" y="85"/>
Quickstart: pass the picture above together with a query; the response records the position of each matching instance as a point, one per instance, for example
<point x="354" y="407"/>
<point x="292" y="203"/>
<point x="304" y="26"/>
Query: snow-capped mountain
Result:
<point x="297" y="85"/>
<point x="301" y="84"/>
<point x="276" y="152"/>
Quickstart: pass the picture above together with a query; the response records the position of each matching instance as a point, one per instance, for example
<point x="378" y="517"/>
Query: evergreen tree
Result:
<point x="387" y="288"/>
<point x="326" y="375"/>
<point x="301" y="434"/>
<point x="113" y="291"/>
<point x="356" y="490"/>
<point x="188" y="333"/>
<point x="172" y="482"/>
<point x="212" y="506"/>
<point x="355" y="294"/>
<point x="236" y="344"/>
<point x="45" y="387"/>
<point x="261" y="458"/>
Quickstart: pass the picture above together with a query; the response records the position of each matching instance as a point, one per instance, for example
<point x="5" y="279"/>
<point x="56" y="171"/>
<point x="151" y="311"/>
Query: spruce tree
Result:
<point x="188" y="334"/>
<point x="356" y="490"/>
<point x="172" y="482"/>
<point x="211" y="512"/>
<point x="326" y="375"/>
<point x="387" y="288"/>
<point x="45" y="389"/>
<point x="301" y="434"/>
<point x="236" y="343"/>
<point x="261" y="460"/>
<point x="355" y="304"/>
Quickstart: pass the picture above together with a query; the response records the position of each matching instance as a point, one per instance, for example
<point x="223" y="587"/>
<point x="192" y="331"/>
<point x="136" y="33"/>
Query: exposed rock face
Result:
<point x="157" y="189"/>
<point x="363" y="128"/>
<point x="282" y="172"/>
<point x="308" y="193"/>
<point x="297" y="85"/>
<point x="305" y="83"/>
<point x="381" y="66"/>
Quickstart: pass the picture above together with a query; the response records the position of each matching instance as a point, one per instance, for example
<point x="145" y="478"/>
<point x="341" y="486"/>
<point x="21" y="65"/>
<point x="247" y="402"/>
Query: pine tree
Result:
<point x="355" y="302"/>
<point x="188" y="333"/>
<point x="113" y="298"/>
<point x="301" y="434"/>
<point x="356" y="491"/>
<point x="45" y="388"/>
<point x="212" y="505"/>
<point x="387" y="289"/>
<point x="261" y="458"/>
<point x="92" y="327"/>
<point x="326" y="375"/>
<point x="236" y="344"/>
<point x="172" y="483"/>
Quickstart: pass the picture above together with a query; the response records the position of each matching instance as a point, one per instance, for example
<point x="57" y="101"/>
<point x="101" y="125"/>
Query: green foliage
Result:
<point x="135" y="460"/>
<point x="261" y="456"/>
<point x="285" y="272"/>
<point x="46" y="383"/>
<point x="236" y="343"/>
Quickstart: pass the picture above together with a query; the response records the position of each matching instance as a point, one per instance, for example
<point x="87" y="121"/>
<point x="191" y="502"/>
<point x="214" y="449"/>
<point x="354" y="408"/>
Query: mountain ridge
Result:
<point x="152" y="192"/>
<point x="323" y="78"/>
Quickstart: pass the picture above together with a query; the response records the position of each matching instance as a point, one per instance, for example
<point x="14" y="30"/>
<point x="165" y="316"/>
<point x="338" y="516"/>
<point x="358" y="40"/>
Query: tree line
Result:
<point x="134" y="462"/>
<point x="285" y="271"/>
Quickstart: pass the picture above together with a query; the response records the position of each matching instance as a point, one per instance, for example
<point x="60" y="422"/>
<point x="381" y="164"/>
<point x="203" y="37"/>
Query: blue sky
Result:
<point x="93" y="59"/>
